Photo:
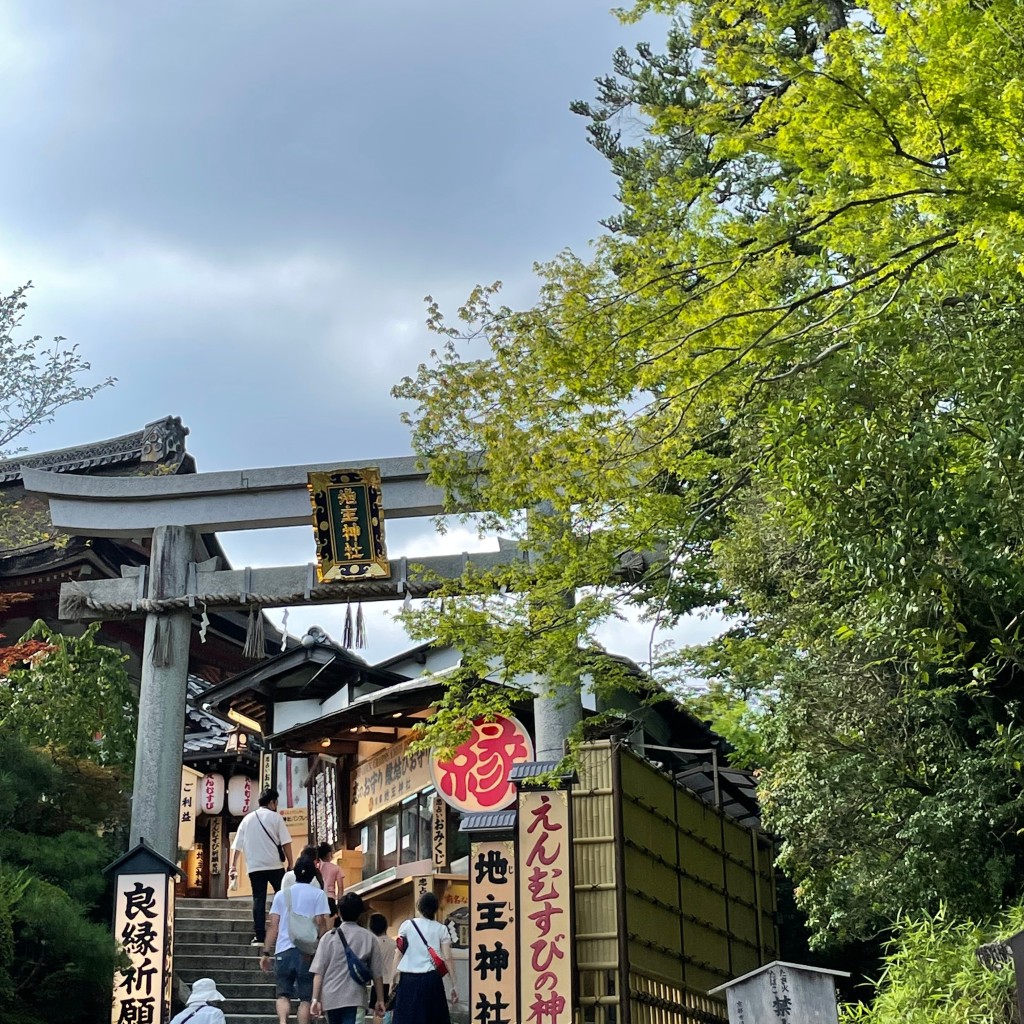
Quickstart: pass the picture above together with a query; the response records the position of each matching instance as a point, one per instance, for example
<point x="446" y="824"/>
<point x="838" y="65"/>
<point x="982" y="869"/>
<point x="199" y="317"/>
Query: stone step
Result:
<point x="237" y="912"/>
<point x="246" y="990"/>
<point x="214" y="905"/>
<point x="259" y="1005"/>
<point x="259" y="1018"/>
<point x="206" y="968"/>
<point x="250" y="1018"/>
<point x="188" y="936"/>
<point x="221" y="923"/>
<point x="217" y="949"/>
<point x="190" y="962"/>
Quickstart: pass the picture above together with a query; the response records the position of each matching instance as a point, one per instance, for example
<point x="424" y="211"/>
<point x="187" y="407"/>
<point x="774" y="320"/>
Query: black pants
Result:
<point x="259" y="880"/>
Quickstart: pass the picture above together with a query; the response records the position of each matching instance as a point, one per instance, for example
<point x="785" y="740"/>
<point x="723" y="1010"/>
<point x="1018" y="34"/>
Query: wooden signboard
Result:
<point x="439" y="835"/>
<point x="143" y="910"/>
<point x="493" y="967"/>
<point x="545" y="898"/>
<point x="386" y="779"/>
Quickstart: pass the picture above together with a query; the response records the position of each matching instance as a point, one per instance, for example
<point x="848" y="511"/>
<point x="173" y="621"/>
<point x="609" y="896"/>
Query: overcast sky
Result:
<point x="237" y="206"/>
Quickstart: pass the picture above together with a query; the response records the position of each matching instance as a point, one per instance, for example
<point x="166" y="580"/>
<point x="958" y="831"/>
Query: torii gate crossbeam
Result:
<point x="172" y="510"/>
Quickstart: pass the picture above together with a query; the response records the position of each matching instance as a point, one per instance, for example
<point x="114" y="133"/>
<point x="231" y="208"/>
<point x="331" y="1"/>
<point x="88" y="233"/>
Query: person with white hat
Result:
<point x="198" y="1009"/>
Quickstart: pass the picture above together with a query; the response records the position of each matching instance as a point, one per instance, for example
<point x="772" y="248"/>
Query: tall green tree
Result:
<point x="792" y="364"/>
<point x="61" y="822"/>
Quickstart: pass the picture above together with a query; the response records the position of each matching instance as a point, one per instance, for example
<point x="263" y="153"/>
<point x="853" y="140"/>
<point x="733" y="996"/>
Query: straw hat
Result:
<point x="204" y="991"/>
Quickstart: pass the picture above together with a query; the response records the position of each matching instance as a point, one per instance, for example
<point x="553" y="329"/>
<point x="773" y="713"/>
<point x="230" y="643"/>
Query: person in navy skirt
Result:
<point x="420" y="997"/>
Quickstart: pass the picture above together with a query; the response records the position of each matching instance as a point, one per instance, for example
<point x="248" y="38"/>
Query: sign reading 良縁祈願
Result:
<point x="143" y="926"/>
<point x="348" y="521"/>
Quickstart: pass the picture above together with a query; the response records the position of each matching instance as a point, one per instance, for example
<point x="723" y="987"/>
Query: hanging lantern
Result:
<point x="241" y="795"/>
<point x="211" y="794"/>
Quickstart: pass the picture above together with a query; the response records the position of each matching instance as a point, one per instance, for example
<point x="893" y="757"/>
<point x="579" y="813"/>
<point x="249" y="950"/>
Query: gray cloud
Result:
<point x="237" y="207"/>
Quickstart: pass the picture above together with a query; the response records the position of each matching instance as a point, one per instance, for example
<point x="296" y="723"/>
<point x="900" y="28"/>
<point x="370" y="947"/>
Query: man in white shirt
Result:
<point x="291" y="966"/>
<point x="264" y="839"/>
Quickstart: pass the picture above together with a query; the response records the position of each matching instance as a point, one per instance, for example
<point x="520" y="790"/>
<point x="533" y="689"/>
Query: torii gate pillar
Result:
<point x="162" y="697"/>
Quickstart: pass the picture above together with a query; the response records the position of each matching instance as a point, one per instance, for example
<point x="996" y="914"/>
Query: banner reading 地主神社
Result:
<point x="545" y="906"/>
<point x="493" y="964"/>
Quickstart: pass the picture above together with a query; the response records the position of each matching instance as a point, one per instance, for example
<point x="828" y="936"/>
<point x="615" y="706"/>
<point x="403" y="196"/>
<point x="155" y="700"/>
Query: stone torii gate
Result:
<point x="172" y="511"/>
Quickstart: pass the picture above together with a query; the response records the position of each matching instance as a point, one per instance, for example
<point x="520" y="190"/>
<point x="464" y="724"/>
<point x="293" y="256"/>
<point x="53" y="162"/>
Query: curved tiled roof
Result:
<point x="154" y="443"/>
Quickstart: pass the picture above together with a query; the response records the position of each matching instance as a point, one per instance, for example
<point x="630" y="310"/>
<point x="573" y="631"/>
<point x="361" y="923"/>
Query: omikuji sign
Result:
<point x="439" y="835"/>
<point x="348" y="521"/>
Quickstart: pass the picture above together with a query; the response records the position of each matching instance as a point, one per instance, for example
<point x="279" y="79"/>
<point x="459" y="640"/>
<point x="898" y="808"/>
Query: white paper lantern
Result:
<point x="211" y="794"/>
<point x="241" y="794"/>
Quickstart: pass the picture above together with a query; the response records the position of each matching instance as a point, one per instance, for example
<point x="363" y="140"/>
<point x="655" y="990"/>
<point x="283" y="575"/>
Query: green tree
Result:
<point x="792" y="364"/>
<point x="73" y="696"/>
<point x="61" y="821"/>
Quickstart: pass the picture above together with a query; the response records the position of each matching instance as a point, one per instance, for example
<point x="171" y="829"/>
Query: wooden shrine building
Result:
<point x="672" y="889"/>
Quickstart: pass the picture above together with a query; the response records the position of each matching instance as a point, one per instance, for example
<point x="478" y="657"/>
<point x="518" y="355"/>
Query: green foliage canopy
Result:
<point x="74" y="697"/>
<point x="792" y="365"/>
<point x="933" y="974"/>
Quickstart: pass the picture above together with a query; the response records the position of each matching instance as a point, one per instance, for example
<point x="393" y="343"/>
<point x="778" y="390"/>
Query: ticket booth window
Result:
<point x="417" y="815"/>
<point x="368" y="843"/>
<point x="389" y="840"/>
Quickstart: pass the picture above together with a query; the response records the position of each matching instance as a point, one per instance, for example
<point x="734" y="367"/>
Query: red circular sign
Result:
<point x="476" y="778"/>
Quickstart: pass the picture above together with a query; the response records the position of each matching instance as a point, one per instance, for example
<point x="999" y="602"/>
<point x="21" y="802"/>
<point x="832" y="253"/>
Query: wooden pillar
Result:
<point x="156" y="792"/>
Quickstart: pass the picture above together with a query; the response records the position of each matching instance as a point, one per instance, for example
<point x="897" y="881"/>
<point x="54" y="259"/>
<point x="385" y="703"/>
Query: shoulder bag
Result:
<point x="280" y="848"/>
<point x="357" y="966"/>
<point x="302" y="930"/>
<point x="435" y="958"/>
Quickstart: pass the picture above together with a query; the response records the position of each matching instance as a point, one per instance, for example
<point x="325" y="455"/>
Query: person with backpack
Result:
<point x="299" y="915"/>
<point x="264" y="839"/>
<point x="198" y="1009"/>
<point x="347" y="960"/>
<point x="425" y="949"/>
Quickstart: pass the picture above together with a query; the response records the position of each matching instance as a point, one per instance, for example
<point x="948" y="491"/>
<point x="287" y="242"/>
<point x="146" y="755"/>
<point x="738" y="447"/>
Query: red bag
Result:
<point x="435" y="958"/>
<point x="440" y="966"/>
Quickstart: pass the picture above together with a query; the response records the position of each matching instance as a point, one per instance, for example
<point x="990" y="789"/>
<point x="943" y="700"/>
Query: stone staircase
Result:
<point x="211" y="940"/>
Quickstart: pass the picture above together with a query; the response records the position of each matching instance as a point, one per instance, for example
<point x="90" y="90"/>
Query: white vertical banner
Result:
<point x="189" y="807"/>
<point x="292" y="773"/>
<point x="143" y="906"/>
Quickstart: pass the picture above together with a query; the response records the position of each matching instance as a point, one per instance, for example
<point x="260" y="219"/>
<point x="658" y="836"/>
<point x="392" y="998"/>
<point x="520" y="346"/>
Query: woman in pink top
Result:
<point x="332" y="876"/>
